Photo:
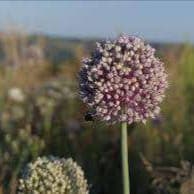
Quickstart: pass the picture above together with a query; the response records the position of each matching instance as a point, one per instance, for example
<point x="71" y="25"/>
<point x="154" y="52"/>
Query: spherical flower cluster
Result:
<point x="123" y="80"/>
<point x="50" y="175"/>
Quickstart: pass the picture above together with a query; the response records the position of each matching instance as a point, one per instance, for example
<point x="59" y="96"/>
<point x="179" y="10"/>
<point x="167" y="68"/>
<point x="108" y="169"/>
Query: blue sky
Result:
<point x="158" y="21"/>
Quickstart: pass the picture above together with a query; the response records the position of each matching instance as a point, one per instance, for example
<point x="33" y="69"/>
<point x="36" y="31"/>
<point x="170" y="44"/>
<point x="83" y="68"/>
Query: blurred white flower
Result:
<point x="16" y="94"/>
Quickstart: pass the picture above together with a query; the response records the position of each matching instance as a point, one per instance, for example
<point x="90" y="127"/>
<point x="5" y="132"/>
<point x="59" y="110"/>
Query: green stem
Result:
<point x="125" y="167"/>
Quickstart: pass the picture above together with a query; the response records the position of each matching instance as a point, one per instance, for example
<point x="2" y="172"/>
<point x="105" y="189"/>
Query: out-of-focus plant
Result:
<point x="52" y="97"/>
<point x="187" y="187"/>
<point x="14" y="109"/>
<point x="21" y="55"/>
<point x="16" y="147"/>
<point x="16" y="94"/>
<point x="171" y="179"/>
<point x="25" y="121"/>
<point x="19" y="50"/>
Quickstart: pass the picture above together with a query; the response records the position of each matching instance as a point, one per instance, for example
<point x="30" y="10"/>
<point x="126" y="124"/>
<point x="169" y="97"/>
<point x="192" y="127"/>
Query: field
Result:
<point x="41" y="114"/>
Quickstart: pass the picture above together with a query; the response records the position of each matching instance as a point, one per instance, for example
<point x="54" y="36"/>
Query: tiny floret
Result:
<point x="123" y="80"/>
<point x="53" y="176"/>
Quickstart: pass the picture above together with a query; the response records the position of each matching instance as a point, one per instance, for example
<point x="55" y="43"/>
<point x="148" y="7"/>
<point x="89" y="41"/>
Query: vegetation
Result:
<point x="41" y="114"/>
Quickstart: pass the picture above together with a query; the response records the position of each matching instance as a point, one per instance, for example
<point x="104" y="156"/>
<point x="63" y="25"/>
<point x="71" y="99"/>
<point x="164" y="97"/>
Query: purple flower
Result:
<point x="123" y="80"/>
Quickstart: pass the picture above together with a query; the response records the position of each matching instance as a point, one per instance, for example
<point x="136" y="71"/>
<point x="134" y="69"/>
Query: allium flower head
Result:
<point x="52" y="175"/>
<point x="123" y="80"/>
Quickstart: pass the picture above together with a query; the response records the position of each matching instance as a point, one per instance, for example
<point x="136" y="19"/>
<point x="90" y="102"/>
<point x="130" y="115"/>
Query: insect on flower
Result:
<point x="89" y="116"/>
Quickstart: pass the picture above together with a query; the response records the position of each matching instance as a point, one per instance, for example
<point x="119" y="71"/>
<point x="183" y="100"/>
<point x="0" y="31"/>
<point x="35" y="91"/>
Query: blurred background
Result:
<point x="41" y="46"/>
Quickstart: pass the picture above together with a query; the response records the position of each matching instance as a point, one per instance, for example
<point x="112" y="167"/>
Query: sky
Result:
<point x="167" y="21"/>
